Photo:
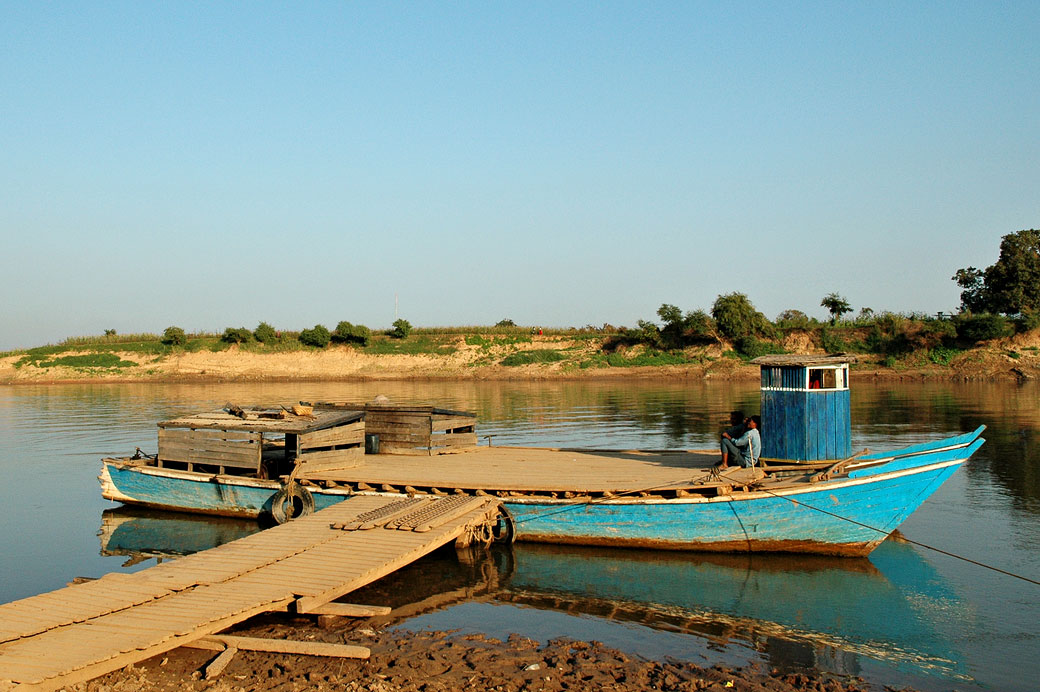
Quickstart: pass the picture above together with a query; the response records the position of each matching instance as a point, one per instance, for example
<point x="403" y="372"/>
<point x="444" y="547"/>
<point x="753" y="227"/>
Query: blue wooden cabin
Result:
<point x="805" y="407"/>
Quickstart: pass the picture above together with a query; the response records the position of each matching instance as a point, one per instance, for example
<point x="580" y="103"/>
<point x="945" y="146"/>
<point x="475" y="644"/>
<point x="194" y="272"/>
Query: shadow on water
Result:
<point x="787" y="612"/>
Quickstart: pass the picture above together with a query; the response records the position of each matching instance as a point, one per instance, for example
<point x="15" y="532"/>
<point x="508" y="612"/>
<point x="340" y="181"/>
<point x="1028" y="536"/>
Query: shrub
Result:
<point x="236" y="336"/>
<point x="174" y="336"/>
<point x="505" y="323"/>
<point x="792" y="319"/>
<point x="833" y="341"/>
<point x="750" y="347"/>
<point x="942" y="329"/>
<point x="975" y="328"/>
<point x="265" y="333"/>
<point x="110" y="332"/>
<point x="941" y="355"/>
<point x="647" y="333"/>
<point x="542" y="355"/>
<point x="1027" y="321"/>
<point x="318" y="336"/>
<point x="348" y="333"/>
<point x="401" y="329"/>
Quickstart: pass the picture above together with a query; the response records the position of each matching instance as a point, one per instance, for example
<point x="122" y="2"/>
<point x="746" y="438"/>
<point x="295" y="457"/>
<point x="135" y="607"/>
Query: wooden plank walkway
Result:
<point x="86" y="630"/>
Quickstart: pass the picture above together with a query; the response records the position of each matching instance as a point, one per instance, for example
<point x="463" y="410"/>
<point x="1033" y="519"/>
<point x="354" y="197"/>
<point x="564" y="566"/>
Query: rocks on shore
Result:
<point x="441" y="661"/>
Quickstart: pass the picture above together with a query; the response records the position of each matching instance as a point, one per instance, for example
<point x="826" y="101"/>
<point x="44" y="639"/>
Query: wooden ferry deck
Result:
<point x="86" y="630"/>
<point x="541" y="470"/>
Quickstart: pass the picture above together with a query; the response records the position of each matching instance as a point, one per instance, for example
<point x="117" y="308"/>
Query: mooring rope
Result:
<point x="908" y="540"/>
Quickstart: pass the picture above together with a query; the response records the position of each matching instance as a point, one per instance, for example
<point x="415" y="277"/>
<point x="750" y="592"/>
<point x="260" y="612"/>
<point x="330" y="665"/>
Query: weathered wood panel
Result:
<point x="420" y="430"/>
<point x="444" y="423"/>
<point x="332" y="459"/>
<point x="454" y="440"/>
<point x="352" y="434"/>
<point x="212" y="447"/>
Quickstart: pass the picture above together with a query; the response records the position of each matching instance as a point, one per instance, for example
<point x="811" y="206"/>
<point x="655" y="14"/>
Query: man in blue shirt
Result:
<point x="746" y="448"/>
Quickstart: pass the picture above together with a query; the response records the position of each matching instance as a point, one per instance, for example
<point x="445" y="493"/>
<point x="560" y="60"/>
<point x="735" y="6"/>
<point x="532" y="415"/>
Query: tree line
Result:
<point x="995" y="302"/>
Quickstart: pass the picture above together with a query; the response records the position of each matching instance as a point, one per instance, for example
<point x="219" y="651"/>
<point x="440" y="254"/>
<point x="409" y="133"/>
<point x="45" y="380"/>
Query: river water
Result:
<point x="908" y="615"/>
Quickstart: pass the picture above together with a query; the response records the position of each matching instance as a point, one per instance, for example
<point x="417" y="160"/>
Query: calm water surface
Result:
<point x="905" y="616"/>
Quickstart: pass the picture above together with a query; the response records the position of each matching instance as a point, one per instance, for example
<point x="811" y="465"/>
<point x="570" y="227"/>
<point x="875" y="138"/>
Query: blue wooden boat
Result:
<point x="809" y="493"/>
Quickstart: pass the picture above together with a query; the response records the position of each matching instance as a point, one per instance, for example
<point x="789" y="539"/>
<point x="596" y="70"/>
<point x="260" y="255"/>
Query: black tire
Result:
<point x="504" y="530"/>
<point x="291" y="502"/>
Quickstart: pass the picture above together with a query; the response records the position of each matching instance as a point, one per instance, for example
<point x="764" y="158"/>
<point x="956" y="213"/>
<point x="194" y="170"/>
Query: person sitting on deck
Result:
<point x="746" y="448"/>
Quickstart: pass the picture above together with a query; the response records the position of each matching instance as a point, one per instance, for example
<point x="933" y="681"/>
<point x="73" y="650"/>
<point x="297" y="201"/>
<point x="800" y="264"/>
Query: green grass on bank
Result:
<point x="888" y="341"/>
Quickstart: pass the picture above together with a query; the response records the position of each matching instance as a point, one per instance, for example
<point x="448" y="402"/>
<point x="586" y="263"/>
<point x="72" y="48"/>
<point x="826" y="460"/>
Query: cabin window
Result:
<point x="828" y="378"/>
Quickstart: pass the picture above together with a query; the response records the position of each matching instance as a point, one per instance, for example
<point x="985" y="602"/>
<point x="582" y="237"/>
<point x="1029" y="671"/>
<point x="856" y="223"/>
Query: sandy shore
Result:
<point x="435" y="661"/>
<point x="1017" y="360"/>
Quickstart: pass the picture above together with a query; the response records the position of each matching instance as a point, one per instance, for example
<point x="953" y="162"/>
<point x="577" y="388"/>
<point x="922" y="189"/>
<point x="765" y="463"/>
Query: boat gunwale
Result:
<point x="782" y="489"/>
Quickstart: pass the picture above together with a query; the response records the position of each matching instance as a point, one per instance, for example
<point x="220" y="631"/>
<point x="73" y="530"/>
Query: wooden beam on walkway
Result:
<point x="350" y="610"/>
<point x="280" y="646"/>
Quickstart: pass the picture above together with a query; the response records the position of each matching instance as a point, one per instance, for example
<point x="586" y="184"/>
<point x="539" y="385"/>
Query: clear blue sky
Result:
<point x="217" y="164"/>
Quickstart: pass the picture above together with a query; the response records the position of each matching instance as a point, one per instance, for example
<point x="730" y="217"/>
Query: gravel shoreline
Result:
<point x="427" y="661"/>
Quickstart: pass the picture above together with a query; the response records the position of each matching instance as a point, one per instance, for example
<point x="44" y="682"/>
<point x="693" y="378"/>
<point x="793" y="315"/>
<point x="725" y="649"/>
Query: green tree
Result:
<point x="238" y="335"/>
<point x="318" y="336"/>
<point x="348" y="333"/>
<point x="836" y="305"/>
<point x="972" y="280"/>
<point x="736" y="318"/>
<point x="265" y="333"/>
<point x="976" y="328"/>
<point x="174" y="336"/>
<point x="506" y="323"/>
<point x="401" y="329"/>
<point x="684" y="329"/>
<point x="1011" y="286"/>
<point x="792" y="319"/>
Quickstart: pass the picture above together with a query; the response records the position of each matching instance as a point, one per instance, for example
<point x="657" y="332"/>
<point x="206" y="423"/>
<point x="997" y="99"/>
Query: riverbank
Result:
<point x="466" y="358"/>
<point x="434" y="661"/>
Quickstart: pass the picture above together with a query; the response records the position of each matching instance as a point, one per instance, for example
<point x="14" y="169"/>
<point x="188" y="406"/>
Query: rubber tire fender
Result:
<point x="504" y="531"/>
<point x="291" y="502"/>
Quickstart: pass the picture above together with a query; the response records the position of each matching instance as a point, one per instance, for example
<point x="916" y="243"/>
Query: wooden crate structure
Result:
<point x="264" y="443"/>
<point x="420" y="429"/>
<point x="411" y="429"/>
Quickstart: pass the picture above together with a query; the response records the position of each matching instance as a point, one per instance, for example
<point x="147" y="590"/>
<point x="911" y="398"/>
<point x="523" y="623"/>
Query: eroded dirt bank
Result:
<point x="1017" y="358"/>
<point x="435" y="661"/>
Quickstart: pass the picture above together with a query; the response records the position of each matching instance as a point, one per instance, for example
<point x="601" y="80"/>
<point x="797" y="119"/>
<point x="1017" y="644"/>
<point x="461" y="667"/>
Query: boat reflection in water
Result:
<point x="142" y="534"/>
<point x="797" y="611"/>
<point x="792" y="612"/>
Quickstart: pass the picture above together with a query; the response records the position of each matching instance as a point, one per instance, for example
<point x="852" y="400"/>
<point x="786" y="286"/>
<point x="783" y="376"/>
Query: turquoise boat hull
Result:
<point x="848" y="515"/>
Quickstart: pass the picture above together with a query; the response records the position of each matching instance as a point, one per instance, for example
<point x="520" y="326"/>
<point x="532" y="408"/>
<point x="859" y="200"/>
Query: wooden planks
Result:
<point x="353" y="434"/>
<point x="80" y="632"/>
<point x="221" y="448"/>
<point x="528" y="469"/>
<point x="221" y="420"/>
<point x="420" y="430"/>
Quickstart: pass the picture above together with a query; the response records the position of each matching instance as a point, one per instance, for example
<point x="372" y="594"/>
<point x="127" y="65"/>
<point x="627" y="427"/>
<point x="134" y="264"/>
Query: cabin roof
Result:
<point x="256" y="422"/>
<point x="804" y="360"/>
